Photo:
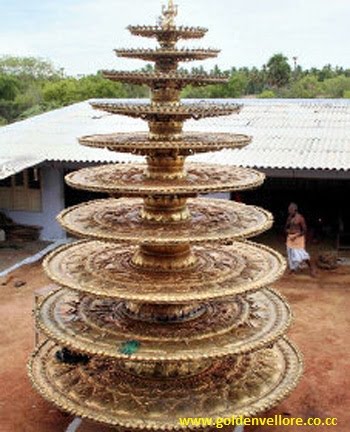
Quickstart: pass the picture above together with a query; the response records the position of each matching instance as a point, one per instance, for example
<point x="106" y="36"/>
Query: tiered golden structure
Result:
<point x="164" y="311"/>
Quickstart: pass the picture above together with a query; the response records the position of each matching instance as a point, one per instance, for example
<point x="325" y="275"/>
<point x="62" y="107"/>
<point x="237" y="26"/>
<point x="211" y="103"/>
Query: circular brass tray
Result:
<point x="101" y="327"/>
<point x="160" y="110"/>
<point x="120" y="220"/>
<point x="176" y="32"/>
<point x="153" y="78"/>
<point x="184" y="54"/>
<point x="130" y="180"/>
<point x="100" y="390"/>
<point x="105" y="269"/>
<point x="190" y="142"/>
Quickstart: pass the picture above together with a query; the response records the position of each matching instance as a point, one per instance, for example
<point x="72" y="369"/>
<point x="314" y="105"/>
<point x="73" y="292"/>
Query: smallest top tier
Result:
<point x="168" y="36"/>
<point x="165" y="31"/>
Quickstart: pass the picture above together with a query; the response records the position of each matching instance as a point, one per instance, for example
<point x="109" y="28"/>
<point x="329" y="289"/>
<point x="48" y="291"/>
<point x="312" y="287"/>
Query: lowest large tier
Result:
<point x="106" y="391"/>
<point x="107" y="270"/>
<point x="132" y="180"/>
<point x="167" y="55"/>
<point x="172" y="79"/>
<point x="104" y="327"/>
<point x="186" y="144"/>
<point x="121" y="220"/>
<point x="175" y="112"/>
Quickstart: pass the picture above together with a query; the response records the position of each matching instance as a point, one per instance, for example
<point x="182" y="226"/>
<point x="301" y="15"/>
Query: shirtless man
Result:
<point x="296" y="232"/>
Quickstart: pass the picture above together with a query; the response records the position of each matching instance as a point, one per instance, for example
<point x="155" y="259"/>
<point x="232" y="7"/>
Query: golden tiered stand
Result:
<point x="165" y="311"/>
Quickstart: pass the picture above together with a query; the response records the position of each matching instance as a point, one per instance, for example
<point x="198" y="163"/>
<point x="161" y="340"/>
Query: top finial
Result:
<point x="168" y="15"/>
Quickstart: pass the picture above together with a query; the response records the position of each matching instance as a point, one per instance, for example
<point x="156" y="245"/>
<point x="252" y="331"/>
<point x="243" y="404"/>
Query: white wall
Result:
<point x="218" y="195"/>
<point x="52" y="203"/>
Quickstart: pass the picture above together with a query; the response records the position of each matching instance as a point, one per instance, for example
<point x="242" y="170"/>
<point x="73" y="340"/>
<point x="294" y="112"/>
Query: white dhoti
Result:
<point x="296" y="252"/>
<point x="296" y="257"/>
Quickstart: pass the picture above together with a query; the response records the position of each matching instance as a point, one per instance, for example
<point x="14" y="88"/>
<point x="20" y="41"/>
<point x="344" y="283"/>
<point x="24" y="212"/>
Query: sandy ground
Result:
<point x="11" y="253"/>
<point x="321" y="330"/>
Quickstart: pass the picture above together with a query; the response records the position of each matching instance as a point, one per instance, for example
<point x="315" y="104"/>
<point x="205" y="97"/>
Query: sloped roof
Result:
<point x="288" y="134"/>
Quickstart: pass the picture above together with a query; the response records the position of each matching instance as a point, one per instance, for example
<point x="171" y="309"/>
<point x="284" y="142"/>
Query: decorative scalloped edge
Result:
<point x="169" y="108"/>
<point x="154" y="77"/>
<point x="173" y="75"/>
<point x="178" y="190"/>
<point x="185" y="111"/>
<point x="148" y="145"/>
<point x="248" y="287"/>
<point x="168" y="51"/>
<point x="246" y="349"/>
<point x="139" y="29"/>
<point x="137" y="425"/>
<point x="175" y="240"/>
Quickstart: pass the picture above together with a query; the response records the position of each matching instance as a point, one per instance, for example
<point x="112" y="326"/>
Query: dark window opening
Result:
<point x="6" y="182"/>
<point x="34" y="178"/>
<point x="19" y="179"/>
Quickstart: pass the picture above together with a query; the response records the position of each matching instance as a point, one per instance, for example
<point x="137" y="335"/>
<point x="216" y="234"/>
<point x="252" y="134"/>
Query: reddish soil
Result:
<point x="13" y="252"/>
<point x="320" y="329"/>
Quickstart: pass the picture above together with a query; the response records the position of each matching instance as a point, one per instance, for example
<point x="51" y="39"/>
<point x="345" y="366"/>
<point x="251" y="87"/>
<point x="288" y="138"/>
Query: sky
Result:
<point x="80" y="35"/>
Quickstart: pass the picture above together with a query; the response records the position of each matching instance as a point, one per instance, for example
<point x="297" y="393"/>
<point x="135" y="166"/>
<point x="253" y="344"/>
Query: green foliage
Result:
<point x="306" y="87"/>
<point x="236" y="87"/>
<point x="37" y="109"/>
<point x="9" y="87"/>
<point x="267" y="94"/>
<point x="336" y="87"/>
<point x="71" y="90"/>
<point x="29" y="68"/>
<point x="278" y="71"/>
<point x="9" y="110"/>
<point x="31" y="86"/>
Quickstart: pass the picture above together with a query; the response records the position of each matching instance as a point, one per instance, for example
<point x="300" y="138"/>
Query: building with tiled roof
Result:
<point x="302" y="145"/>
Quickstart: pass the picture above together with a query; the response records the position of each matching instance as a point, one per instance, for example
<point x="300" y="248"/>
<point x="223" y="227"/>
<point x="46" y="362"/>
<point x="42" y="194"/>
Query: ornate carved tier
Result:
<point x="173" y="79"/>
<point x="166" y="119"/>
<point x="183" y="144"/>
<point x="178" y="112"/>
<point x="167" y="59"/>
<point x="165" y="86"/>
<point x="103" y="327"/>
<point x="164" y="313"/>
<point x="106" y="391"/>
<point x="166" y="32"/>
<point x="173" y="33"/>
<point x="107" y="270"/>
<point x="124" y="220"/>
<point x="132" y="180"/>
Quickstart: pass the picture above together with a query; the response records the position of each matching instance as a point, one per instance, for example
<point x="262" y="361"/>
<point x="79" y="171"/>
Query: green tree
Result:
<point x="306" y="87"/>
<point x="71" y="90"/>
<point x="256" y="81"/>
<point x="29" y="67"/>
<point x="62" y="92"/>
<point x="237" y="85"/>
<point x="278" y="71"/>
<point x="9" y="87"/>
<point x="267" y="94"/>
<point x="336" y="87"/>
<point x="326" y="72"/>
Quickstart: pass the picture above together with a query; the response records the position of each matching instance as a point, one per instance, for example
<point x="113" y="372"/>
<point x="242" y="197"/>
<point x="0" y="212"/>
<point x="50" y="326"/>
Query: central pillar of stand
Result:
<point x="163" y="166"/>
<point x="165" y="130"/>
<point x="164" y="257"/>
